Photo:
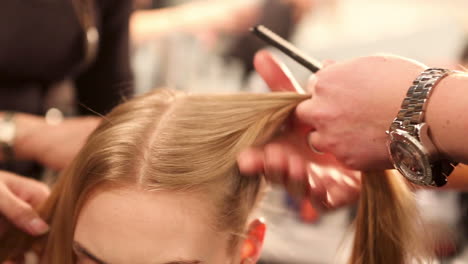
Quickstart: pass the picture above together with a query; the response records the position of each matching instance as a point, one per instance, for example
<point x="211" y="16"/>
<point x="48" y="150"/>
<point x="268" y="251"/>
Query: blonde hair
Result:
<point x="164" y="140"/>
<point x="389" y="228"/>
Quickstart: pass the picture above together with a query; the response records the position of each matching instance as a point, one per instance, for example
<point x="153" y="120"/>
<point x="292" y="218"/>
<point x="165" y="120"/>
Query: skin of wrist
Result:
<point x="445" y="113"/>
<point x="26" y="139"/>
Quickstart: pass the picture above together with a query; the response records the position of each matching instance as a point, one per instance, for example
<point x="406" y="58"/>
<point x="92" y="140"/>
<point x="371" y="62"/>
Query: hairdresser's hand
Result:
<point x="353" y="103"/>
<point x="19" y="197"/>
<point x="54" y="146"/>
<point x="288" y="159"/>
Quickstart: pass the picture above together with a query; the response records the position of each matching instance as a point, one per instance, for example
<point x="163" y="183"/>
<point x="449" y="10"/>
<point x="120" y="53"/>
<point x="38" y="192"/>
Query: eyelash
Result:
<point x="83" y="258"/>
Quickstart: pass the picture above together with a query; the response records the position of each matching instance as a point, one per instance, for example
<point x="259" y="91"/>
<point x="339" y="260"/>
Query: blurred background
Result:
<point x="205" y="46"/>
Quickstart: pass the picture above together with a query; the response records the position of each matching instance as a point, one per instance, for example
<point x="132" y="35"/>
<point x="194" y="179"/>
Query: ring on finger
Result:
<point x="311" y="146"/>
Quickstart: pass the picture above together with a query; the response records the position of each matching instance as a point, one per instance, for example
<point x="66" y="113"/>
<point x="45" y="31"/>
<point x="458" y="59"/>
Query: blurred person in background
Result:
<point x="220" y="18"/>
<point x="281" y="16"/>
<point x="43" y="45"/>
<point x="193" y="17"/>
<point x="226" y="16"/>
<point x="90" y="50"/>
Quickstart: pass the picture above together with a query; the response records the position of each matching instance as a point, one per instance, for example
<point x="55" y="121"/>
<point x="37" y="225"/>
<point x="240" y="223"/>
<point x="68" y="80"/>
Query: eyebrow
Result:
<point x="80" y="248"/>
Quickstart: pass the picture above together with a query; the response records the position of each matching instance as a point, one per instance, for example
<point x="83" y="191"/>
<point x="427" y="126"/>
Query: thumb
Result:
<point x="20" y="213"/>
<point x="276" y="75"/>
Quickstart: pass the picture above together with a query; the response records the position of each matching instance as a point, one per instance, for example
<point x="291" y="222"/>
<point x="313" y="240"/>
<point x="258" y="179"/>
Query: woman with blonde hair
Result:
<point x="157" y="182"/>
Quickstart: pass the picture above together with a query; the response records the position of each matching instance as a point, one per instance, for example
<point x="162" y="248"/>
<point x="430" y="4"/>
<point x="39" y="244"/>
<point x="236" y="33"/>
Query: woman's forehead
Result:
<point x="134" y="226"/>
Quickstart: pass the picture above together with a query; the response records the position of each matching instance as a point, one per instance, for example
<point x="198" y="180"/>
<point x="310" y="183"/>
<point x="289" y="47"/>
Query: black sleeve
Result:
<point x="109" y="79"/>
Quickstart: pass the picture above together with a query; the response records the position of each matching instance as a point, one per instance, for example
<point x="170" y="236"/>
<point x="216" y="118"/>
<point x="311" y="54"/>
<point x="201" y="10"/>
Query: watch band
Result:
<point x="414" y="105"/>
<point x="6" y="144"/>
<point x="412" y="113"/>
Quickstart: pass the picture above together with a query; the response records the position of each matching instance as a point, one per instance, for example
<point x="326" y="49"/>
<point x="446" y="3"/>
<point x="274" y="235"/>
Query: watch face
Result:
<point x="7" y="132"/>
<point x="410" y="158"/>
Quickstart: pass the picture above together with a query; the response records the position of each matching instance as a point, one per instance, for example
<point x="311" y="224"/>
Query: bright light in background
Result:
<point x="431" y="31"/>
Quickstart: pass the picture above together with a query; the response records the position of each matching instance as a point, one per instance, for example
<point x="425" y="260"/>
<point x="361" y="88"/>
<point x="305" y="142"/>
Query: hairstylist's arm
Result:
<point x="353" y="104"/>
<point x="289" y="161"/>
<point x="19" y="197"/>
<point x="54" y="146"/>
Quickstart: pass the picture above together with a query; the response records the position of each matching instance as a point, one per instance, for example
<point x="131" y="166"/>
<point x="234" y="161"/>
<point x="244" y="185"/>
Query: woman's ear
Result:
<point x="252" y="246"/>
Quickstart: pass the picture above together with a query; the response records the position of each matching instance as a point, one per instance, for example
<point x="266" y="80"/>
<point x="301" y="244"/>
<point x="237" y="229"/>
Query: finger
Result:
<point x="327" y="62"/>
<point x="342" y="187"/>
<point x="31" y="191"/>
<point x="317" y="192"/>
<point x="314" y="142"/>
<point x="341" y="194"/>
<point x="311" y="83"/>
<point x="276" y="75"/>
<point x="20" y="213"/>
<point x="353" y="180"/>
<point x="296" y="177"/>
<point x="304" y="113"/>
<point x="335" y="195"/>
<point x="275" y="165"/>
<point x="250" y="161"/>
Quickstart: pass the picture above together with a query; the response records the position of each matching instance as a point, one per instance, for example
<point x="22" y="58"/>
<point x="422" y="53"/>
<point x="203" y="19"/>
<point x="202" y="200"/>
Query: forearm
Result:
<point x="147" y="24"/>
<point x="447" y="117"/>
<point x="190" y="17"/>
<point x="458" y="180"/>
<point x="24" y="143"/>
<point x="52" y="145"/>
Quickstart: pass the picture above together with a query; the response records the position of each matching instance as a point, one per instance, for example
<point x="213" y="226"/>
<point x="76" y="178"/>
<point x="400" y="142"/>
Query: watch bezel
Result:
<point x="399" y="135"/>
<point x="7" y="132"/>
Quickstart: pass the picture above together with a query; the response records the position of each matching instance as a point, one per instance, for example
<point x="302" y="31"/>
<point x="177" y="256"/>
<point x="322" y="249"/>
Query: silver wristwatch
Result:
<point x="7" y="136"/>
<point x="411" y="149"/>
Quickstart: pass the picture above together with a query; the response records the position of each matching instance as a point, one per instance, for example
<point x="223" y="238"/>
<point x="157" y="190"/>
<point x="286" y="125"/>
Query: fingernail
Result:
<point x="38" y="227"/>
<point x="311" y="181"/>
<point x="311" y="146"/>
<point x="330" y="201"/>
<point x="317" y="170"/>
<point x="327" y="62"/>
<point x="348" y="181"/>
<point x="312" y="81"/>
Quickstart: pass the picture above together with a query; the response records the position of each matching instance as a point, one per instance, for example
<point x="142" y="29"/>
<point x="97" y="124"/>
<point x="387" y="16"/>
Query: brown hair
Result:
<point x="165" y="140"/>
